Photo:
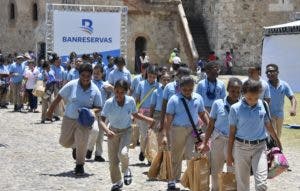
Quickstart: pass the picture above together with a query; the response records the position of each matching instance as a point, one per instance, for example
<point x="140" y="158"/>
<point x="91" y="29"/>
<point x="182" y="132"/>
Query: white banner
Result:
<point x="283" y="50"/>
<point x="86" y="32"/>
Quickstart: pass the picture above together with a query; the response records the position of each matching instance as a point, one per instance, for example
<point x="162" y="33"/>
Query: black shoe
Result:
<point x="43" y="121"/>
<point x="88" y="154"/>
<point x="141" y="156"/>
<point x="116" y="187"/>
<point x="74" y="154"/>
<point x="79" y="170"/>
<point x="4" y="107"/>
<point x="127" y="177"/>
<point x="99" y="159"/>
<point x="47" y="119"/>
<point x="138" y="143"/>
<point x="15" y="108"/>
<point x="56" y="118"/>
<point x="149" y="163"/>
<point x="172" y="186"/>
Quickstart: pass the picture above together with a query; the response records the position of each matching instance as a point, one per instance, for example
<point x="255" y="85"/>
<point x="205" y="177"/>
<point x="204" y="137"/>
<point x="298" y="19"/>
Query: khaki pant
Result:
<point x="182" y="145"/>
<point x="45" y="105"/>
<point x="118" y="152"/>
<point x="218" y="156"/>
<point x="3" y="94"/>
<point x="96" y="137"/>
<point x="58" y="111"/>
<point x="247" y="156"/>
<point x="143" y="129"/>
<point x="16" y="90"/>
<point x="277" y="124"/>
<point x="73" y="134"/>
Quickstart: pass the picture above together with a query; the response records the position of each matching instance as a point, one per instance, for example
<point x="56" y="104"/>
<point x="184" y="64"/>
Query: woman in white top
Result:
<point x="144" y="58"/>
<point x="31" y="75"/>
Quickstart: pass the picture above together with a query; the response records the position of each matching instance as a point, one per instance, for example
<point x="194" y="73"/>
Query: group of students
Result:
<point x="236" y="124"/>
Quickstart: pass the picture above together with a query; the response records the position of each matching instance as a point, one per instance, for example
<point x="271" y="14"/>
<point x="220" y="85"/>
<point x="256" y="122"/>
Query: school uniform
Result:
<point x="4" y="83"/>
<point x="108" y="70"/>
<point x="219" y="139"/>
<point x="156" y="101"/>
<point x="135" y="82"/>
<point x="117" y="74"/>
<point x="16" y="84"/>
<point x="171" y="89"/>
<point x="142" y="90"/>
<point x="73" y="74"/>
<point x="250" y="126"/>
<point x="121" y="126"/>
<point x="211" y="91"/>
<point x="49" y="79"/>
<point x="97" y="133"/>
<point x="72" y="132"/>
<point x="277" y="103"/>
<point x="182" y="141"/>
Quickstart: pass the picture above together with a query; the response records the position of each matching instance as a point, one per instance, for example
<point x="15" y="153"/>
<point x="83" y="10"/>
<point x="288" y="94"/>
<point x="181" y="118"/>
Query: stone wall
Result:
<point x="237" y="25"/>
<point x="158" y="23"/>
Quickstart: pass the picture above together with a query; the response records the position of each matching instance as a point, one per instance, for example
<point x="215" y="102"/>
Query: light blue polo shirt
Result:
<point x="142" y="90"/>
<point x="135" y="82"/>
<point x="220" y="114"/>
<point x="107" y="71"/>
<point x="73" y="74"/>
<point x="19" y="69"/>
<point x="4" y="70"/>
<point x="101" y="84"/>
<point x="171" y="89"/>
<point x="157" y="98"/>
<point x="277" y="98"/>
<point x="176" y="108"/>
<point x="249" y="121"/>
<point x="116" y="75"/>
<point x="59" y="73"/>
<point x="77" y="98"/>
<point x="119" y="117"/>
<point x="218" y="88"/>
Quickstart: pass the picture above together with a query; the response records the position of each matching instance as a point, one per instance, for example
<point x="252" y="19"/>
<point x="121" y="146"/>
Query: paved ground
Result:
<point x="32" y="159"/>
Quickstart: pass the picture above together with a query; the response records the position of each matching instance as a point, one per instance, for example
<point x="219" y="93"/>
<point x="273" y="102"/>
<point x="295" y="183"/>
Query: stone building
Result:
<point x="160" y="25"/>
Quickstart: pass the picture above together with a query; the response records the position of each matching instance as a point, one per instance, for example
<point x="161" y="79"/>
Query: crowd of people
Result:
<point x="101" y="98"/>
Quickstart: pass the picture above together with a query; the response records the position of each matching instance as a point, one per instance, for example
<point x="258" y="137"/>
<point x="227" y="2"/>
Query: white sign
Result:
<point x="283" y="50"/>
<point x="86" y="32"/>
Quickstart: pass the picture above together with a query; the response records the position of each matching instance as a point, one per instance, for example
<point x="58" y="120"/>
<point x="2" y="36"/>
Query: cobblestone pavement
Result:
<point x="32" y="159"/>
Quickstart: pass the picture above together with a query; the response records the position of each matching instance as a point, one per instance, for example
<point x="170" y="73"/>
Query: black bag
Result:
<point x="270" y="141"/>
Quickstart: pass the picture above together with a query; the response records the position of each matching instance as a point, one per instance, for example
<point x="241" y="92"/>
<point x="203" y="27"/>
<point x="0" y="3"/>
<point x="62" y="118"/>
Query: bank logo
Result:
<point x="87" y="26"/>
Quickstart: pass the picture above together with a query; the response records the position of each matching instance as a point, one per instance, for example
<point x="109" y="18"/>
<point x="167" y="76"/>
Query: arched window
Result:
<point x="12" y="11"/>
<point x="35" y="12"/>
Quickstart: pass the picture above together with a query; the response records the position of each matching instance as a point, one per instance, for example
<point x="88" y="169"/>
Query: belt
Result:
<point x="255" y="142"/>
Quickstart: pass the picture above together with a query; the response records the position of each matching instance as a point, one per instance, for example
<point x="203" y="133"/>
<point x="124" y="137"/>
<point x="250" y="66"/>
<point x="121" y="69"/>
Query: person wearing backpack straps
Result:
<point x="248" y="122"/>
<point x="178" y="125"/>
<point x="143" y="99"/>
<point x="218" y="129"/>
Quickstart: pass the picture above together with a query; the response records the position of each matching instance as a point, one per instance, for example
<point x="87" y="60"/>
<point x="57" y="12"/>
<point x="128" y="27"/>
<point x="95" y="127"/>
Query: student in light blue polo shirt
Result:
<point x="178" y="125"/>
<point x="109" y="67"/>
<point x="218" y="130"/>
<point x="211" y="88"/>
<point x="171" y="89"/>
<point x="16" y="71"/>
<point x="77" y="94"/>
<point x="119" y="132"/>
<point x="120" y="73"/>
<point x="279" y="89"/>
<point x="143" y="97"/>
<point x="74" y="72"/>
<point x="248" y="122"/>
<point x="137" y="79"/>
<point x="4" y="82"/>
<point x="97" y="133"/>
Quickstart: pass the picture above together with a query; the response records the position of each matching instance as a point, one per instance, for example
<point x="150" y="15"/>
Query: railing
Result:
<point x="188" y="33"/>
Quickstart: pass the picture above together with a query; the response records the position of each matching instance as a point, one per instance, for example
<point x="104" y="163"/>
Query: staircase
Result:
<point x="200" y="37"/>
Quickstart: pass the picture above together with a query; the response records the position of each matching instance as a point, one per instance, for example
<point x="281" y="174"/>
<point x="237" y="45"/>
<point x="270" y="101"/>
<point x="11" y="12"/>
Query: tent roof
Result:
<point x="282" y="29"/>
